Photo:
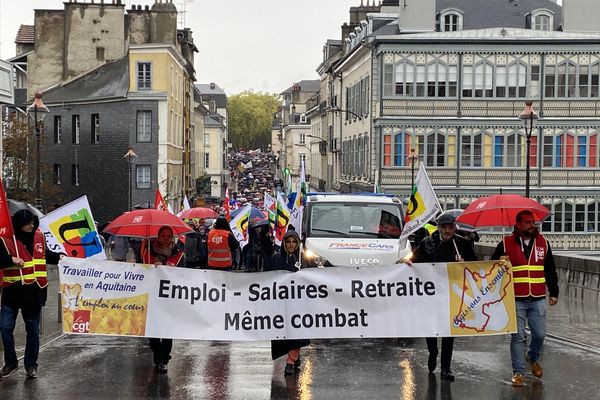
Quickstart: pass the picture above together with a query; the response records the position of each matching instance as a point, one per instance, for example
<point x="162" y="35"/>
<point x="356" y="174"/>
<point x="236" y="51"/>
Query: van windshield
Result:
<point x="354" y="220"/>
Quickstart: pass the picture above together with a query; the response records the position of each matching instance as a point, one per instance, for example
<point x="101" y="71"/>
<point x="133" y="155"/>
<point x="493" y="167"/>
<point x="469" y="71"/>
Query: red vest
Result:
<point x="149" y="258"/>
<point x="219" y="253"/>
<point x="528" y="275"/>
<point x="34" y="270"/>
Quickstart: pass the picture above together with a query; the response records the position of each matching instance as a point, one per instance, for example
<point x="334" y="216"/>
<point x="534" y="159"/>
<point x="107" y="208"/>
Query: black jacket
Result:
<point x="433" y="249"/>
<point x="286" y="262"/>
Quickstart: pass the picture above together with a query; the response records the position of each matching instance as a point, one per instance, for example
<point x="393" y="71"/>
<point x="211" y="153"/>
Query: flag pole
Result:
<point x="412" y="170"/>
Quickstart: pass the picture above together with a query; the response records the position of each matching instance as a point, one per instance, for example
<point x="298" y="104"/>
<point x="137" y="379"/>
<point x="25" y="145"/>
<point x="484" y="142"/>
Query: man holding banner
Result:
<point x="22" y="258"/>
<point x="443" y="246"/>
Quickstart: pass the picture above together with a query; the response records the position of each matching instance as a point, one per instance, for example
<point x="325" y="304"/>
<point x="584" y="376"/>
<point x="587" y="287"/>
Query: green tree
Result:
<point x="251" y="119"/>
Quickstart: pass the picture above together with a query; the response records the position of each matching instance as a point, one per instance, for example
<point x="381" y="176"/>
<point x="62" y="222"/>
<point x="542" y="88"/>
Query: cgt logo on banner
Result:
<point x="70" y="229"/>
<point x="81" y="321"/>
<point x="426" y="300"/>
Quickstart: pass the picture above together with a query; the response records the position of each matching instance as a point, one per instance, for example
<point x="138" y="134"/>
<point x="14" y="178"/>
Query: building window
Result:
<point x="144" y="76"/>
<point x="478" y="80"/>
<point x="95" y="128"/>
<point x="57" y="174"/>
<point x="143" y="176"/>
<point x="471" y="150"/>
<point x="450" y="23"/>
<point x="570" y="80"/>
<point x="144" y="126"/>
<point x="432" y="147"/>
<point x="57" y="129"/>
<point x="508" y="150"/>
<point x="401" y="149"/>
<point x="450" y="20"/>
<point x="570" y="149"/>
<point x="511" y="80"/>
<point x="206" y="160"/>
<point x="436" y="79"/>
<point x="75" y="128"/>
<point x="75" y="175"/>
<point x="302" y="138"/>
<point x="207" y="139"/>
<point x="541" y="22"/>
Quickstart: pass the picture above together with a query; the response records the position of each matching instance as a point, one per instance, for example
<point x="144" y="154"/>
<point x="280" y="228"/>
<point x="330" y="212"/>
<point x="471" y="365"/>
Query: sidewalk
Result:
<point x="52" y="329"/>
<point x="576" y="318"/>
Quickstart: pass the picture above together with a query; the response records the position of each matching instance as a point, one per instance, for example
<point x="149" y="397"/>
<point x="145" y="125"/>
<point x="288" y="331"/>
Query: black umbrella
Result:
<point x="16" y="205"/>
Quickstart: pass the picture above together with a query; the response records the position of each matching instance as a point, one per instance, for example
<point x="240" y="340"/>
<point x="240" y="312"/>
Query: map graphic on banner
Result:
<point x="426" y="300"/>
<point x="71" y="230"/>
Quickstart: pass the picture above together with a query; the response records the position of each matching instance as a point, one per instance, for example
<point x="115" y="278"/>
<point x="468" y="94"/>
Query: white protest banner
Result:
<point x="114" y="298"/>
<point x="70" y="229"/>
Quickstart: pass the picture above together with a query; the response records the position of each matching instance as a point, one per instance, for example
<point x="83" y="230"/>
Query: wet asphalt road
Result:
<point x="74" y="367"/>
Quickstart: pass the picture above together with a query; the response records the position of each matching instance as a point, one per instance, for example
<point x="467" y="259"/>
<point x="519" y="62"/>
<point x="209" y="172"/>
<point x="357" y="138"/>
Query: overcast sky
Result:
<point x="264" y="45"/>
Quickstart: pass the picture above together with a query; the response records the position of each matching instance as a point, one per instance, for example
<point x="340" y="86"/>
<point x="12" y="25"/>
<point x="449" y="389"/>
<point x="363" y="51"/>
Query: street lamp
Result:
<point x="130" y="156"/>
<point x="335" y="110"/>
<point x="528" y="114"/>
<point x="37" y="111"/>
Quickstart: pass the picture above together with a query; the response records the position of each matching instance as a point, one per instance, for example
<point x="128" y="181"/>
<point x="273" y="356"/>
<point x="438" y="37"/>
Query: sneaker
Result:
<point x="162" y="368"/>
<point x="447" y="375"/>
<point x="289" y="369"/>
<point x="297" y="363"/>
<point x="517" y="380"/>
<point x="31" y="372"/>
<point x="536" y="368"/>
<point x="7" y="370"/>
<point x="432" y="362"/>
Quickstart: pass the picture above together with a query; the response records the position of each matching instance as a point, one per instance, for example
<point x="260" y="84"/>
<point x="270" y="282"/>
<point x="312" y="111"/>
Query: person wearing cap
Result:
<point x="443" y="246"/>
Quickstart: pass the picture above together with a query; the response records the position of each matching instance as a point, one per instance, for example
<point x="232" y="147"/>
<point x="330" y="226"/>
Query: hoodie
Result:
<point x="284" y="260"/>
<point x="18" y="295"/>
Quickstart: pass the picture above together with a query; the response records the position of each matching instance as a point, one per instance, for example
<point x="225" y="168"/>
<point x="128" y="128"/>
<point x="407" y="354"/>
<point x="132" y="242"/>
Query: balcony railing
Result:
<point x="495" y="177"/>
<point x="487" y="108"/>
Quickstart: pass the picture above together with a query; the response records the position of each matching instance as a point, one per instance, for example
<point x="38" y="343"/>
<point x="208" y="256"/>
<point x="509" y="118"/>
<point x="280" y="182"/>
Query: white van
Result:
<point x="353" y="230"/>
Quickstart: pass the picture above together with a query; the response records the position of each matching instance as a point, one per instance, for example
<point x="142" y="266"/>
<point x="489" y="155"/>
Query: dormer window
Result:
<point x="451" y="20"/>
<point x="450" y="23"/>
<point x="542" y="23"/>
<point x="542" y="20"/>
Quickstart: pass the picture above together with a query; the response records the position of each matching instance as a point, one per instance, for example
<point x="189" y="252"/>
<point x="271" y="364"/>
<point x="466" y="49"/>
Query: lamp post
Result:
<point x="335" y="110"/>
<point x="130" y="156"/>
<point x="37" y="111"/>
<point x="528" y="115"/>
<point x="412" y="158"/>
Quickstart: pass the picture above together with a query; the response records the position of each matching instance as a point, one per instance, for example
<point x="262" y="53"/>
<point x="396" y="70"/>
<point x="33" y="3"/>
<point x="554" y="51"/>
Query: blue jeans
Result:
<point x="534" y="312"/>
<point x="8" y="319"/>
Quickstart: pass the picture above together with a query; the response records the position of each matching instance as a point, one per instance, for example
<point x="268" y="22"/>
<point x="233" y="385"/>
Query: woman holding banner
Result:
<point x="288" y="259"/>
<point x="161" y="251"/>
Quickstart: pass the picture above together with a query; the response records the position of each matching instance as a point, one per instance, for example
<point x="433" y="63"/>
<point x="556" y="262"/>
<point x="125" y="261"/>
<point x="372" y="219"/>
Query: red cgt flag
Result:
<point x="6" y="228"/>
<point x="226" y="205"/>
<point x="159" y="202"/>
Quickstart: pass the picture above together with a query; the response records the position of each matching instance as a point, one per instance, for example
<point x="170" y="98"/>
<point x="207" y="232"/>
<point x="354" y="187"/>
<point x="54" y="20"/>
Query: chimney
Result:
<point x="580" y="16"/>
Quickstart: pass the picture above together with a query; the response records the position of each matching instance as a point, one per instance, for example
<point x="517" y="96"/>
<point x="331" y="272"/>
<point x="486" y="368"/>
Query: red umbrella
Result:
<point x="500" y="210"/>
<point x="146" y="223"/>
<point x="198" y="212"/>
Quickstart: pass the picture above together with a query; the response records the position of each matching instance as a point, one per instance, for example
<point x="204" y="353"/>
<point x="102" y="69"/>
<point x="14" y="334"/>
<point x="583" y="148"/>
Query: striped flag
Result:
<point x="422" y="206"/>
<point x="282" y="219"/>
